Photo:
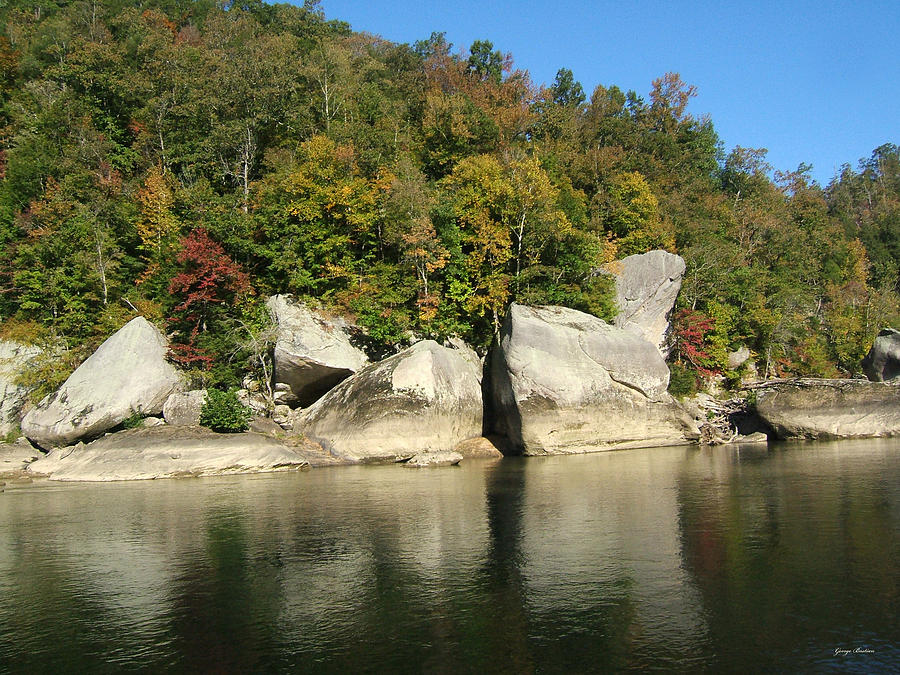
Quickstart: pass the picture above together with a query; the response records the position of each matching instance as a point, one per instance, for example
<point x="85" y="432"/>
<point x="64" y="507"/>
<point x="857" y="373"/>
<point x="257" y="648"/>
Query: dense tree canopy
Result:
<point x="148" y="147"/>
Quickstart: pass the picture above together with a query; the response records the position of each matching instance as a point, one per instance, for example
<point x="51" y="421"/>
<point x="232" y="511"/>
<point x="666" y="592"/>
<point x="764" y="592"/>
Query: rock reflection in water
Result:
<point x="666" y="558"/>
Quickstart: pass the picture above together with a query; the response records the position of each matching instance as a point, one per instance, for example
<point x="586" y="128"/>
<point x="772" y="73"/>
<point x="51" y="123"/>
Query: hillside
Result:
<point x="184" y="161"/>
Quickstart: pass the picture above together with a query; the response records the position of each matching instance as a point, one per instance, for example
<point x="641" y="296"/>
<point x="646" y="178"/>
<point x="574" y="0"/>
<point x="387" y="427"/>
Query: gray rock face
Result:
<point x="882" y="363"/>
<point x="738" y="358"/>
<point x="265" y="426"/>
<point x="167" y="452"/>
<point x="14" y="358"/>
<point x="562" y="381"/>
<point x="426" y="398"/>
<point x="127" y="373"/>
<point x="283" y="417"/>
<point x="312" y="353"/>
<point x="646" y="288"/>
<point x="183" y="409"/>
<point x="812" y="408"/>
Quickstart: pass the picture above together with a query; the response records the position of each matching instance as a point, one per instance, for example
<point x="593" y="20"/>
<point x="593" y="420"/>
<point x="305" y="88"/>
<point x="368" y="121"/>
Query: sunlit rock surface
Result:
<point x="127" y="374"/>
<point x="426" y="398"/>
<point x="562" y="381"/>
<point x="812" y="408"/>
<point x="312" y="353"/>
<point x="14" y="358"/>
<point x="646" y="288"/>
<point x="167" y="452"/>
<point x="183" y="408"/>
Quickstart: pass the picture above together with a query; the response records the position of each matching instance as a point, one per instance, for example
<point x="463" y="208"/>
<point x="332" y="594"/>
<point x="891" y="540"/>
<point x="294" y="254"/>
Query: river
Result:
<point x="673" y="559"/>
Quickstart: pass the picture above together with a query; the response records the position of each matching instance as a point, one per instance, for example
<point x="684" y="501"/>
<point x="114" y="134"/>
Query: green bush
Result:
<point x="12" y="435"/>
<point x="134" y="420"/>
<point x="222" y="412"/>
<point x="682" y="381"/>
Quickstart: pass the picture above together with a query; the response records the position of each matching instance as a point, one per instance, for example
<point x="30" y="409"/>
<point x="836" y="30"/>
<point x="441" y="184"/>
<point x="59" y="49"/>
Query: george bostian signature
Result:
<point x="857" y="650"/>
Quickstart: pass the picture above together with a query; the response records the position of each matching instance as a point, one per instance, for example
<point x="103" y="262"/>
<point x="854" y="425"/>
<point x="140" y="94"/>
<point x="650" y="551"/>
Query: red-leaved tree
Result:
<point x="209" y="282"/>
<point x="689" y="330"/>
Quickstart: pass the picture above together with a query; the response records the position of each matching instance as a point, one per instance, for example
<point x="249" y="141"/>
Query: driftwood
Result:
<point x="800" y="382"/>
<point x="719" y="427"/>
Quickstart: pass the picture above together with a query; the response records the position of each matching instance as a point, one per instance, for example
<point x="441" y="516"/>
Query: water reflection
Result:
<point x="795" y="551"/>
<point x="678" y="559"/>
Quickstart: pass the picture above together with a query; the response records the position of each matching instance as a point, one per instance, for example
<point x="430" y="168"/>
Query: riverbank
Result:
<point x="555" y="381"/>
<point x="780" y="410"/>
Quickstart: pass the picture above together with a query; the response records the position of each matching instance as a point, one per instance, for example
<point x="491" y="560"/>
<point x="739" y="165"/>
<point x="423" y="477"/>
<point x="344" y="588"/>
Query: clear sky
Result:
<point x="815" y="82"/>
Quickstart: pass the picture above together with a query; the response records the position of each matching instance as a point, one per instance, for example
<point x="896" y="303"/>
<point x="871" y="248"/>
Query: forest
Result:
<point x="184" y="160"/>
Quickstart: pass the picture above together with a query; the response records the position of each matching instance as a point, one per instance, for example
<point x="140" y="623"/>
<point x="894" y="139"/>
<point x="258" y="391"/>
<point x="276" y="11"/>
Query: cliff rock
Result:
<point x="882" y="363"/>
<point x="813" y="408"/>
<point x="183" y="409"/>
<point x="562" y="381"/>
<point x="14" y="358"/>
<point x="167" y="452"/>
<point x="646" y="288"/>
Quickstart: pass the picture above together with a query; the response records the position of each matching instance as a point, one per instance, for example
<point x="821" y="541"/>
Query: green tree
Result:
<point x="485" y="62"/>
<point x="320" y="221"/>
<point x="566" y="90"/>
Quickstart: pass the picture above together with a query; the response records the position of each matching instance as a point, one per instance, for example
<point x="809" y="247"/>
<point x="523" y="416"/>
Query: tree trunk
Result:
<point x="247" y="153"/>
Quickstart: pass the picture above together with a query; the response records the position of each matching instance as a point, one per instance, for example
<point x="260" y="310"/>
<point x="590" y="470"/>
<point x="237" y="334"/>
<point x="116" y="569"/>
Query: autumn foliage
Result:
<point x="417" y="189"/>
<point x="208" y="281"/>
<point x="689" y="341"/>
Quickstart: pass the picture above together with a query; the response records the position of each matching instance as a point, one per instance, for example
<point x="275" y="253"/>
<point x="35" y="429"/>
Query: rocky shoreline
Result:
<point x="556" y="381"/>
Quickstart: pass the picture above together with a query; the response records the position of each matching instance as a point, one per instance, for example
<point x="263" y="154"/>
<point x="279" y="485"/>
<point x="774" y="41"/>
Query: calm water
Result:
<point x="674" y="559"/>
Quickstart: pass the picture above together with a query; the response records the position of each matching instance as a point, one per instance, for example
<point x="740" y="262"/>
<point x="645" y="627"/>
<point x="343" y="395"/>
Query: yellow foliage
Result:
<point x="157" y="225"/>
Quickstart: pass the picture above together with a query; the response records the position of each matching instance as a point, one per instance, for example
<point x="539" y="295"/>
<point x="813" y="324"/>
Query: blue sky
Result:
<point x="814" y="82"/>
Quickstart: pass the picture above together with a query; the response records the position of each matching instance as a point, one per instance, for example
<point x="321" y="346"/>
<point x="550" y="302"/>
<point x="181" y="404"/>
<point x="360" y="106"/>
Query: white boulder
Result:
<point x="312" y="353"/>
<point x="829" y="409"/>
<point x="646" y="288"/>
<point x="182" y="409"/>
<point x="14" y="358"/>
<point x="562" y="381"/>
<point x="128" y="373"/>
<point x="427" y="398"/>
<point x="167" y="452"/>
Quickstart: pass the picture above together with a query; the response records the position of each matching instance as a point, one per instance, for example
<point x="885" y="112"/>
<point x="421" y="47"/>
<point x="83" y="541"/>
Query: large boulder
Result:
<point x="427" y="398"/>
<point x="312" y="353"/>
<point x="562" y="381"/>
<point x="14" y="359"/>
<point x="813" y="408"/>
<point x="882" y="363"/>
<point x="167" y="452"/>
<point x="128" y="373"/>
<point x="646" y="288"/>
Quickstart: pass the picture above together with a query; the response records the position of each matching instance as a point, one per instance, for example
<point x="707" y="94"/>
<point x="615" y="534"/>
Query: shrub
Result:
<point x="224" y="413"/>
<point x="12" y="435"/>
<point x="134" y="420"/>
<point x="682" y="381"/>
